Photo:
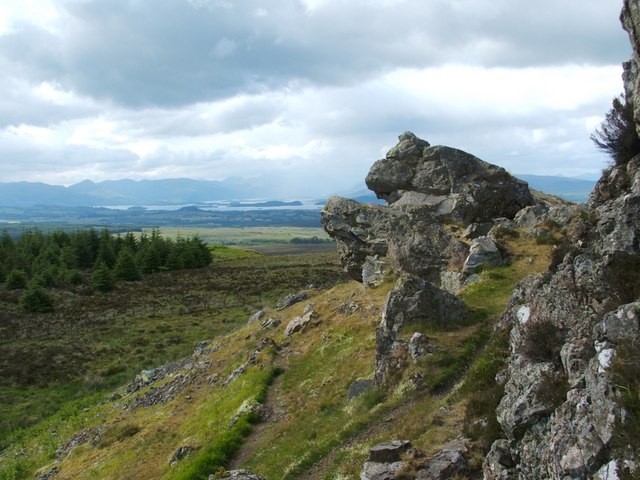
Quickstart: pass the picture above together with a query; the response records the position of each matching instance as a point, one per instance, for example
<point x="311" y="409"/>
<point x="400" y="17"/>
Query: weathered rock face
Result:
<point x="413" y="241"/>
<point x="454" y="185"/>
<point x="630" y="18"/>
<point x="561" y="425"/>
<point x="560" y="404"/>
<point x="425" y="187"/>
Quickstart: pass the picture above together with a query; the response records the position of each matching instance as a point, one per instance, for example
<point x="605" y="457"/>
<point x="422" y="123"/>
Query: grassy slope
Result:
<point x="94" y="342"/>
<point x="311" y="430"/>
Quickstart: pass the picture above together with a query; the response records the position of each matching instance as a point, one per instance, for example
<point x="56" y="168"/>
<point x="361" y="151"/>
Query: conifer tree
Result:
<point x="106" y="252"/>
<point x="102" y="278"/>
<point x="126" y="268"/>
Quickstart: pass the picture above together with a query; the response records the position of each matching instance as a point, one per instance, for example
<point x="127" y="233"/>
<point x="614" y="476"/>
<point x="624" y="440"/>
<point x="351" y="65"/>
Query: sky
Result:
<point x="306" y="94"/>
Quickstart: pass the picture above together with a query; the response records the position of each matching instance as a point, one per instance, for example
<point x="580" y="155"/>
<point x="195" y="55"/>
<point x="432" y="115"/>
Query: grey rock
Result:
<point x="389" y="452"/>
<point x="563" y="213"/>
<point x="50" y="474"/>
<point x="348" y="307"/>
<point x="291" y="299"/>
<point x="413" y="242"/>
<point x="201" y="347"/>
<point x="381" y="471"/>
<point x="298" y="323"/>
<point x="421" y="246"/>
<point x="374" y="272"/>
<point x="360" y="231"/>
<point x="181" y="453"/>
<point x="452" y="282"/>
<point x="445" y="464"/>
<point x="419" y="346"/>
<point x="499" y="463"/>
<point x="87" y="435"/>
<point x="359" y="387"/>
<point x="256" y="317"/>
<point x="531" y="215"/>
<point x="476" y="230"/>
<point x="452" y="184"/>
<point x="237" y="475"/>
<point x="413" y="301"/>
<point x="269" y="323"/>
<point x="484" y="252"/>
<point x="591" y="296"/>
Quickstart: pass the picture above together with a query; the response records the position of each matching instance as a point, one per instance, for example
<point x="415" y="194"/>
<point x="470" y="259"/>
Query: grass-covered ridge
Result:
<point x="308" y="428"/>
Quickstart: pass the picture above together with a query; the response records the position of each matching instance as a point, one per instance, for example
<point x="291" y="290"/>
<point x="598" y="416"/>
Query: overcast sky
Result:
<point x="306" y="92"/>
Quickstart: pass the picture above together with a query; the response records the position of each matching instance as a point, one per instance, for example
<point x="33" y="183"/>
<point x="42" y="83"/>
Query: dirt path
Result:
<point x="273" y="412"/>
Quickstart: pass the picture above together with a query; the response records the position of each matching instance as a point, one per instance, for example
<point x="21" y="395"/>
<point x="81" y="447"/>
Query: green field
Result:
<point x="245" y="236"/>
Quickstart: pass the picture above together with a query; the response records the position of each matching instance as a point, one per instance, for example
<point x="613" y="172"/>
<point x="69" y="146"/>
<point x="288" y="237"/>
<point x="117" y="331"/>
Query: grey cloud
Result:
<point x="178" y="52"/>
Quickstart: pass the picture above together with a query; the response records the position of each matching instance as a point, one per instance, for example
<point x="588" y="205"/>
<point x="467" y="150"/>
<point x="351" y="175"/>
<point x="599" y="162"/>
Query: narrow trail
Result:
<point x="274" y="412"/>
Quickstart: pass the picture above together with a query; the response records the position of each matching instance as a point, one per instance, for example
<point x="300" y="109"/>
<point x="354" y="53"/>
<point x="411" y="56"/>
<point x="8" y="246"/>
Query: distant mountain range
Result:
<point x="187" y="191"/>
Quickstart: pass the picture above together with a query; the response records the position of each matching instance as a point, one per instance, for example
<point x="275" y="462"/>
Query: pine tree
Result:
<point x="126" y="268"/>
<point x="102" y="278"/>
<point x="106" y="252"/>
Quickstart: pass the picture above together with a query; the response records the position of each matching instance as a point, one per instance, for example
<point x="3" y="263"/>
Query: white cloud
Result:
<point x="44" y="14"/>
<point x="313" y="89"/>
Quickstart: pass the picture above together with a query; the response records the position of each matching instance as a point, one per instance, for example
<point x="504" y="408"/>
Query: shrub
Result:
<point x="617" y="134"/>
<point x="542" y="341"/>
<point x="74" y="277"/>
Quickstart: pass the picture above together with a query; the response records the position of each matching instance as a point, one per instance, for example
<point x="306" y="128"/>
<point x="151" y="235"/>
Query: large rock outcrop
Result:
<point x="454" y="185"/>
<point x="426" y="188"/>
<point x="561" y="405"/>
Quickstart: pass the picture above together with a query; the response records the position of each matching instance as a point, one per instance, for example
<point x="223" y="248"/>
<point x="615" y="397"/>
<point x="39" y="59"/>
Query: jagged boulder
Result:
<point x="453" y="184"/>
<point x="484" y="252"/>
<point x="384" y="461"/>
<point x="413" y="301"/>
<point x="448" y="463"/>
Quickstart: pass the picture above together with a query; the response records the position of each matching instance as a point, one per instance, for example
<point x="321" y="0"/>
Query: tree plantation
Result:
<point x="37" y="261"/>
